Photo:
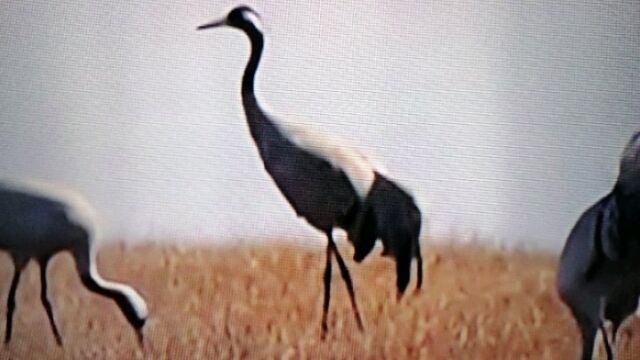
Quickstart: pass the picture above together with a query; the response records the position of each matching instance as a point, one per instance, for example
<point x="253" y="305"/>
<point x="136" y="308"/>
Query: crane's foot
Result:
<point x="323" y="331"/>
<point x="140" y="337"/>
<point x="7" y="332"/>
<point x="359" y="322"/>
<point x="58" y="338"/>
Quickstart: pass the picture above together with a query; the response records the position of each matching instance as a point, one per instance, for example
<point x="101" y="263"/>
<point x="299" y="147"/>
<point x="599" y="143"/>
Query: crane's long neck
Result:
<point x="263" y="130"/>
<point x="127" y="298"/>
<point x="248" y="92"/>
<point x="627" y="187"/>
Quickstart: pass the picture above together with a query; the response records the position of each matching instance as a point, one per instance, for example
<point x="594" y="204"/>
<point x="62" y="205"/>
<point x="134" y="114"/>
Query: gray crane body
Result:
<point x="34" y="226"/>
<point x="599" y="272"/>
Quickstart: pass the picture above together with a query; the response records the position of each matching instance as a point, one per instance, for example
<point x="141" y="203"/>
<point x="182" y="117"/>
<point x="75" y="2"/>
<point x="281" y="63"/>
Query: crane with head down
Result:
<point x="39" y="220"/>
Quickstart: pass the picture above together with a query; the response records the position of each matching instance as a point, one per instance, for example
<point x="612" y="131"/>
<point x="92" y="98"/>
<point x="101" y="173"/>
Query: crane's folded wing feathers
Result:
<point x="338" y="152"/>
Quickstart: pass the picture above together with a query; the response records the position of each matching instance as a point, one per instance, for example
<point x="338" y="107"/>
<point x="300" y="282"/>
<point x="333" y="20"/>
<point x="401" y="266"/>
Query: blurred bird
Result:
<point x="37" y="221"/>
<point x="599" y="273"/>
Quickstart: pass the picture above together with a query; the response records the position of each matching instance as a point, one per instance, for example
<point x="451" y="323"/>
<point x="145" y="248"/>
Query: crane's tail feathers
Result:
<point x="363" y="234"/>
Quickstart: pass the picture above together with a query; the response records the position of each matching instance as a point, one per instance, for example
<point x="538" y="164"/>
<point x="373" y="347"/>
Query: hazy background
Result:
<point x="504" y="118"/>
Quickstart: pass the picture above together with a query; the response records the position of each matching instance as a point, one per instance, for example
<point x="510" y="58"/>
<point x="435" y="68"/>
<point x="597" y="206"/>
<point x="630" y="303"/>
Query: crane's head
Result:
<point x="629" y="177"/>
<point x="134" y="309"/>
<point x="241" y="17"/>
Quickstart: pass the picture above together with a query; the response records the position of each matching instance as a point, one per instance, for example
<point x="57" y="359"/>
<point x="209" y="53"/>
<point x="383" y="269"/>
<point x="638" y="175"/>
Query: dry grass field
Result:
<point x="265" y="302"/>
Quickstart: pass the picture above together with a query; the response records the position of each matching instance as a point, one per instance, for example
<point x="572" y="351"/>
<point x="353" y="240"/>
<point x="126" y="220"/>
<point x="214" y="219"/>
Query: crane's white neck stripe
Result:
<point x="137" y="302"/>
<point x="253" y="18"/>
<point x="348" y="158"/>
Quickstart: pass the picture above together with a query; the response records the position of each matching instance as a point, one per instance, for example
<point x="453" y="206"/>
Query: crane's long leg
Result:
<point x="18" y="264"/>
<point x="419" y="258"/>
<point x="327" y="292"/>
<point x="588" y="340"/>
<point x="347" y="279"/>
<point x="45" y="300"/>
<point x="606" y="341"/>
<point x="602" y="324"/>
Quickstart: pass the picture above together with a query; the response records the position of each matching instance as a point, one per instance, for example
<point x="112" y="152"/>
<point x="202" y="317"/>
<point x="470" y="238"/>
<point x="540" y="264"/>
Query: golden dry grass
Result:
<point x="265" y="302"/>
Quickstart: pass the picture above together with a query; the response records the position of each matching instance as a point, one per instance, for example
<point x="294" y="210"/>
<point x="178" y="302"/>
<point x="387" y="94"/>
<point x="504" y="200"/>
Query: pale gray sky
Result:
<point x="504" y="118"/>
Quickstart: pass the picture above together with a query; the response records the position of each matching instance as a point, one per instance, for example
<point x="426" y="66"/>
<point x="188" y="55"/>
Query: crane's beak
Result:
<point x="140" y="337"/>
<point x="212" y="24"/>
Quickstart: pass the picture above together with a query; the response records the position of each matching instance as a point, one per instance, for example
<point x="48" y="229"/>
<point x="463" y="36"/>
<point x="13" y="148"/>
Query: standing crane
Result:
<point x="327" y="183"/>
<point x="599" y="273"/>
<point x="39" y="220"/>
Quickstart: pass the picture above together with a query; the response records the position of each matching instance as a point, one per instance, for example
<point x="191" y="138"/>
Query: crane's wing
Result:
<point x="599" y="225"/>
<point x="340" y="153"/>
<point x="317" y="191"/>
<point x="608" y="236"/>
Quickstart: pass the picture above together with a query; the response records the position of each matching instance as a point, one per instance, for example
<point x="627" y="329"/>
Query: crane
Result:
<point x="39" y="220"/>
<point x="328" y="183"/>
<point x="599" y="268"/>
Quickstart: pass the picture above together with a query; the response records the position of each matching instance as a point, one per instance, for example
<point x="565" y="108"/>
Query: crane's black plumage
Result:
<point x="367" y="205"/>
<point x="36" y="222"/>
<point x="599" y="271"/>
